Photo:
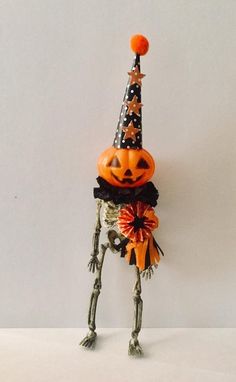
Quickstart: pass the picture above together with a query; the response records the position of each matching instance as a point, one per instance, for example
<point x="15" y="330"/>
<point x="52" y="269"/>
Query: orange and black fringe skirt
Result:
<point x="142" y="254"/>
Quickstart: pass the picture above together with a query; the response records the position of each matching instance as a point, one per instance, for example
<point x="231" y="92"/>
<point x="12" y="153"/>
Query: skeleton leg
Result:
<point x="134" y="346"/>
<point x="89" y="339"/>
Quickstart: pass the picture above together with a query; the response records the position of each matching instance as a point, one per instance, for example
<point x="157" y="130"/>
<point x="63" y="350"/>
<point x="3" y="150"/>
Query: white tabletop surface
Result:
<point x="43" y="355"/>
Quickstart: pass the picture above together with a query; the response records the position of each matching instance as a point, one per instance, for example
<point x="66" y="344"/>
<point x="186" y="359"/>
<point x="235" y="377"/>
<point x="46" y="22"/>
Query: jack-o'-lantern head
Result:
<point x="126" y="167"/>
<point x="127" y="164"/>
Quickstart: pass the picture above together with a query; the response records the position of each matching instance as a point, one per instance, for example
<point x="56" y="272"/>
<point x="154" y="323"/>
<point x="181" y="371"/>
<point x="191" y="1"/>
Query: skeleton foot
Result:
<point x="89" y="340"/>
<point x="135" y="348"/>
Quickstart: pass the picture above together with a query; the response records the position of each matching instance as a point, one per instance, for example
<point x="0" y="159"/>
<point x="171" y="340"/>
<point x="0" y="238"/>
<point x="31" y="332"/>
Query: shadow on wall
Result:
<point x="195" y="211"/>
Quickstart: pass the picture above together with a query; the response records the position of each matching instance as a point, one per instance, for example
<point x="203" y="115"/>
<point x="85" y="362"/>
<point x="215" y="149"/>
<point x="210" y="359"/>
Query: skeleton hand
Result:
<point x="93" y="264"/>
<point x="147" y="273"/>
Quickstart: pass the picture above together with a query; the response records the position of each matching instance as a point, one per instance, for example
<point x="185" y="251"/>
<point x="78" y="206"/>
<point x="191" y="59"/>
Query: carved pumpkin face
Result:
<point x="126" y="167"/>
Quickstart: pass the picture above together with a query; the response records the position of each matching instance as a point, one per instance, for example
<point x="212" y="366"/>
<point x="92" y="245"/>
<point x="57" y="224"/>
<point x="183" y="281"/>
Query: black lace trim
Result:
<point x="147" y="193"/>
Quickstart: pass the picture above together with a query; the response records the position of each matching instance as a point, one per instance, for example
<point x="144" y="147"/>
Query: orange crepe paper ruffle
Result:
<point x="139" y="210"/>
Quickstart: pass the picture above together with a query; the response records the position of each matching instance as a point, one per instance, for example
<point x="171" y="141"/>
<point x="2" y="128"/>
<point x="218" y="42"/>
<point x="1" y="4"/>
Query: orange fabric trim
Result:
<point x="140" y="249"/>
<point x="154" y="254"/>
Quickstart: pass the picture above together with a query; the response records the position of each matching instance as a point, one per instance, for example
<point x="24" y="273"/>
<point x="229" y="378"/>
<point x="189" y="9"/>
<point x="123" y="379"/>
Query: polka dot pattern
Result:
<point x="122" y="139"/>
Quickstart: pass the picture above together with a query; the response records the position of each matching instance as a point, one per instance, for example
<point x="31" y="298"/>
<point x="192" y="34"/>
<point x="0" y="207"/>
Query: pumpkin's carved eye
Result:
<point x="142" y="164"/>
<point x="114" y="163"/>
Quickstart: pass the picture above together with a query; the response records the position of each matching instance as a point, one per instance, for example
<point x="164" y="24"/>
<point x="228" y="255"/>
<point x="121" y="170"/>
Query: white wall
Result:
<point x="63" y="74"/>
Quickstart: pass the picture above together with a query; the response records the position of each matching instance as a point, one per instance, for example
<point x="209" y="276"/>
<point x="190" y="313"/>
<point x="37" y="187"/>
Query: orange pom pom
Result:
<point x="139" y="44"/>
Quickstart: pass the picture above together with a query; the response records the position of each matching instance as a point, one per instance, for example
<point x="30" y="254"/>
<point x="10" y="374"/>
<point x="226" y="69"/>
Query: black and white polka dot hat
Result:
<point x="129" y="129"/>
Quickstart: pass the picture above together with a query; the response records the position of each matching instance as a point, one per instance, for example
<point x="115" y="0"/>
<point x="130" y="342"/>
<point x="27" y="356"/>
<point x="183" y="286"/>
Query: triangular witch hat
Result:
<point x="129" y="129"/>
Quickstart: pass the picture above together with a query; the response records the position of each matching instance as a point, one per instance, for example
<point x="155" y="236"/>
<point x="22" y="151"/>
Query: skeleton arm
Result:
<point x="93" y="264"/>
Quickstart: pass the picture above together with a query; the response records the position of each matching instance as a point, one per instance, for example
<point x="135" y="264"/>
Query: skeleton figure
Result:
<point x="125" y="200"/>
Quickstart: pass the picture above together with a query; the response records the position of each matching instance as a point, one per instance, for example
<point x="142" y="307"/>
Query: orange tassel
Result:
<point x="140" y="250"/>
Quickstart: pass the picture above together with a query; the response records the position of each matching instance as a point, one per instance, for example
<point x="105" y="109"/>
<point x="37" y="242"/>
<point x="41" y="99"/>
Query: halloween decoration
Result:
<point x="126" y="168"/>
<point x="125" y="200"/>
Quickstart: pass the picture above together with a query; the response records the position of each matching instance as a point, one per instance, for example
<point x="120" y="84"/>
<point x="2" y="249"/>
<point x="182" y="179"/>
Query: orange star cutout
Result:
<point x="136" y="76"/>
<point x="134" y="106"/>
<point x="130" y="132"/>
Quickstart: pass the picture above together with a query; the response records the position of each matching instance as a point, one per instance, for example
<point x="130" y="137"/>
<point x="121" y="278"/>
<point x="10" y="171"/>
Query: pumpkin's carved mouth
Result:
<point x="126" y="180"/>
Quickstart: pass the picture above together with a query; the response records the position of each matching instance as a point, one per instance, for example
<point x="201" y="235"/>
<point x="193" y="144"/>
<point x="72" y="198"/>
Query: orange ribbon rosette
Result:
<point x="136" y="221"/>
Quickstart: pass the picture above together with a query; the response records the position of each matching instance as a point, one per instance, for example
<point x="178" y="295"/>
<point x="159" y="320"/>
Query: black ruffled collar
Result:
<point x="146" y="193"/>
